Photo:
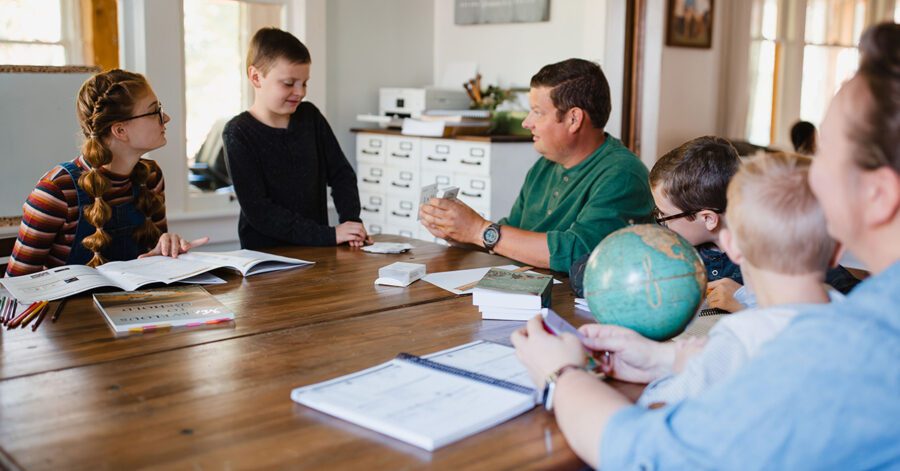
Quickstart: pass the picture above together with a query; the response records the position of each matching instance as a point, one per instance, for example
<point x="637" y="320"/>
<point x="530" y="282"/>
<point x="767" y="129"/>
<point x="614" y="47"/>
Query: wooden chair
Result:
<point x="6" y="246"/>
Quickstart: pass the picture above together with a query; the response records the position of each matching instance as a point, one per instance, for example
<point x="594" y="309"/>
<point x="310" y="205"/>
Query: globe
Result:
<point x="646" y="278"/>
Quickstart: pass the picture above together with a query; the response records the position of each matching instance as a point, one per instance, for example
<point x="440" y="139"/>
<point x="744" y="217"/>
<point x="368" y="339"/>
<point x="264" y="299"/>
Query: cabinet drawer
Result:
<point x="371" y="178"/>
<point x="402" y="181"/>
<point x="402" y="211"/>
<point x="443" y="179"/>
<point x="372" y="207"/>
<point x="439" y="154"/>
<point x="474" y="190"/>
<point x="426" y="236"/>
<point x="374" y="228"/>
<point x="406" y="231"/>
<point x="474" y="158"/>
<point x="370" y="148"/>
<point x="403" y="152"/>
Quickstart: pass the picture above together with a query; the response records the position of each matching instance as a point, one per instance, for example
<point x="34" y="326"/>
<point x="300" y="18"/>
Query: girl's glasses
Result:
<point x="158" y="113"/>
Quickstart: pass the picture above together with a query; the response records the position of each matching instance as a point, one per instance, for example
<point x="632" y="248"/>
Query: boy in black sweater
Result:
<point x="282" y="154"/>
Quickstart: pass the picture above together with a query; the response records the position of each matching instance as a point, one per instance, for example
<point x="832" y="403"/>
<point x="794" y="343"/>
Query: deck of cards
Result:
<point x="432" y="191"/>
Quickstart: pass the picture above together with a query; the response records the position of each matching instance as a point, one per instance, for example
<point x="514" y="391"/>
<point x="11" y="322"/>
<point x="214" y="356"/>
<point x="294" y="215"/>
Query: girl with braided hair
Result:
<point x="107" y="204"/>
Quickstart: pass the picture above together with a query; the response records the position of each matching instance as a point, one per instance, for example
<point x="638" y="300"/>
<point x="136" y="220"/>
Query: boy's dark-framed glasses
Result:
<point x="158" y="113"/>
<point x="662" y="220"/>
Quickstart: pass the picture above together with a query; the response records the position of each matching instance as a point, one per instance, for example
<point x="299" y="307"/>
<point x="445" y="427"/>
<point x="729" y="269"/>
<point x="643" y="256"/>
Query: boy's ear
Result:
<point x="711" y="219"/>
<point x="254" y="75"/>
<point x="836" y="257"/>
<point x="730" y="247"/>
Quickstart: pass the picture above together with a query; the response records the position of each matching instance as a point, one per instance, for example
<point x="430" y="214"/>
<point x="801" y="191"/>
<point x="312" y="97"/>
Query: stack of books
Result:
<point x="513" y="296"/>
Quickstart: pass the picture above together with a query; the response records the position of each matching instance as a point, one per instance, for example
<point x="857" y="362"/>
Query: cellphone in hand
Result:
<point x="556" y="325"/>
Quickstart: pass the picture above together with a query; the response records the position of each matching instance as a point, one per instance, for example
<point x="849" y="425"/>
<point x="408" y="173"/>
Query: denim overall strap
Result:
<point x="124" y="220"/>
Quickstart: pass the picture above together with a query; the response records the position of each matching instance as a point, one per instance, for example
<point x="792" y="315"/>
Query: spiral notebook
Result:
<point x="429" y="401"/>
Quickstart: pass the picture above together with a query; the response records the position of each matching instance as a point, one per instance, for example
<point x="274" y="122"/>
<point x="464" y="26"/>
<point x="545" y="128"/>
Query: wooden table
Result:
<point x="73" y="397"/>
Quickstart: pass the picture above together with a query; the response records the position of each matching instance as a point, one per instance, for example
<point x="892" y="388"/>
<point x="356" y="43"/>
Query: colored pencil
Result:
<point x="58" y="310"/>
<point x="3" y="310"/>
<point x="11" y="306"/>
<point x="34" y="313"/>
<point x="41" y="317"/>
<point x="18" y="320"/>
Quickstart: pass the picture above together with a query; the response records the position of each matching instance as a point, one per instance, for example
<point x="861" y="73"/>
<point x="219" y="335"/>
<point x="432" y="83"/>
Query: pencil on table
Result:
<point x="15" y="322"/>
<point x="58" y="310"/>
<point x="12" y="309"/>
<point x="41" y="316"/>
<point x="34" y="313"/>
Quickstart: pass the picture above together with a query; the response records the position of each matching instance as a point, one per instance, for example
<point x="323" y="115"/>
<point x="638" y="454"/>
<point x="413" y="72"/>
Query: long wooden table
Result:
<point x="74" y="397"/>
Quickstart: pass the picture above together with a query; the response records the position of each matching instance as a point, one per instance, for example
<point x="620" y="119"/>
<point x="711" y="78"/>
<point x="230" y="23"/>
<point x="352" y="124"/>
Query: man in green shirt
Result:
<point x="586" y="185"/>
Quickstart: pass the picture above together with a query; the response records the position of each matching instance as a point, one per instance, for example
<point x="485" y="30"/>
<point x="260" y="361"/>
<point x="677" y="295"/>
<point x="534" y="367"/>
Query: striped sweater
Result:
<point x="50" y="216"/>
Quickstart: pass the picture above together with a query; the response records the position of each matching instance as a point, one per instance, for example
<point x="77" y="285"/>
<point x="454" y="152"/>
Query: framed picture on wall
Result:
<point x="477" y="12"/>
<point x="689" y="23"/>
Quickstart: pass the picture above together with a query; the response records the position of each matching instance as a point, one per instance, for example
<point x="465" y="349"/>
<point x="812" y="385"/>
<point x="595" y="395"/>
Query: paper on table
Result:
<point x="387" y="247"/>
<point x="449" y="280"/>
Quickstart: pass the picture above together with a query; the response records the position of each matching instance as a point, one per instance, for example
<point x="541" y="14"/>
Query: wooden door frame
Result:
<point x="632" y="89"/>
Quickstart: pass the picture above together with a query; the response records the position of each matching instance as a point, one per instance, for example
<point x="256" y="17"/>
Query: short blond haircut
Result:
<point x="776" y="219"/>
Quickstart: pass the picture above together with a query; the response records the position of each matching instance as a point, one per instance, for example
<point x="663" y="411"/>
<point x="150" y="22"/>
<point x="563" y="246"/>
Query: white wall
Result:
<point x="372" y="44"/>
<point x="681" y="87"/>
<point x="509" y="54"/>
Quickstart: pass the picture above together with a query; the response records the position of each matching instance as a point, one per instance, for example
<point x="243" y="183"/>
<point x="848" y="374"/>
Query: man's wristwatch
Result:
<point x="550" y="385"/>
<point x="491" y="236"/>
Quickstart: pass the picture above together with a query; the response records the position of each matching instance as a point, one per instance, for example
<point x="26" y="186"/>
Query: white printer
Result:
<point x="394" y="104"/>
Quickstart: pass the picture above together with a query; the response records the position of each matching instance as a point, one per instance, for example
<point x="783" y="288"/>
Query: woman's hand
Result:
<point x="632" y="357"/>
<point x="172" y="245"/>
<point x="543" y="353"/>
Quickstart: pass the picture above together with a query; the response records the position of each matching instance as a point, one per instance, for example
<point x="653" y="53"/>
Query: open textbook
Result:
<point x="60" y="282"/>
<point x="430" y="401"/>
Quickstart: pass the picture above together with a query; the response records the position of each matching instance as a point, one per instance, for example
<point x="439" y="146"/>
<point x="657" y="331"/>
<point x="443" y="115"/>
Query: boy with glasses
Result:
<point x="689" y="186"/>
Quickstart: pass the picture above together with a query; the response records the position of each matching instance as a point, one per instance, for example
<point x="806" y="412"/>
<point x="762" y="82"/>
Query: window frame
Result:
<point x="69" y="36"/>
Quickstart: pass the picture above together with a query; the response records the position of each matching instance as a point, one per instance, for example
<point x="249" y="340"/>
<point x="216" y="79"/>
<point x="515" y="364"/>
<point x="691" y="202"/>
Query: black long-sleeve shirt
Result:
<point x="280" y="178"/>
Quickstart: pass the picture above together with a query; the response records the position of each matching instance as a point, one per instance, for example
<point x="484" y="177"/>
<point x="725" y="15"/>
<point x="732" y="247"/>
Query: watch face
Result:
<point x="491" y="235"/>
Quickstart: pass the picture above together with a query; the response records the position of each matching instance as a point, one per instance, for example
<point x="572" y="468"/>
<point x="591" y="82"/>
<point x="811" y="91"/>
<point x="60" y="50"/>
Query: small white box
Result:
<point x="400" y="274"/>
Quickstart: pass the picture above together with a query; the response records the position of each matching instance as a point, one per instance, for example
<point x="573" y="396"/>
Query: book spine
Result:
<point x="466" y="374"/>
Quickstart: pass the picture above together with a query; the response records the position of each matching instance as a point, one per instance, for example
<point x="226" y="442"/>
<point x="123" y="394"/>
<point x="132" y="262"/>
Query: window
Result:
<point x="762" y="70"/>
<point x="799" y="59"/>
<point x="216" y="35"/>
<point x="40" y="32"/>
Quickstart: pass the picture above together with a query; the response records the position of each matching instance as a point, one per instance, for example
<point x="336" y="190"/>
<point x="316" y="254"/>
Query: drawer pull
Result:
<point x="400" y="185"/>
<point x="371" y="210"/>
<point x="369" y="180"/>
<point x="471" y="195"/>
<point x="370" y="152"/>
<point x="400" y="215"/>
<point x="435" y="159"/>
<point x="402" y="156"/>
<point x="468" y="162"/>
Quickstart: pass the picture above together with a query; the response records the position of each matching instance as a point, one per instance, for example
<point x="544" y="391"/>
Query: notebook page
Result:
<point x="414" y="403"/>
<point x="487" y="358"/>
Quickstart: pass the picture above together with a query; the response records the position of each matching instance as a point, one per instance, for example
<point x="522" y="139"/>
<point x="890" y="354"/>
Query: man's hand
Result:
<point x="452" y="219"/>
<point x="543" y="353"/>
<point x="720" y="294"/>
<point x="632" y="357"/>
